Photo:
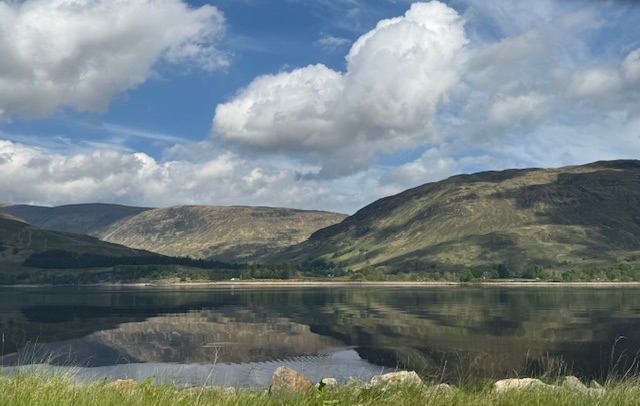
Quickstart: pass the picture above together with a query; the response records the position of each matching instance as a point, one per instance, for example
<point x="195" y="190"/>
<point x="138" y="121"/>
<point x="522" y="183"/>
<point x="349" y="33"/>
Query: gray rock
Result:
<point x="286" y="380"/>
<point x="356" y="385"/>
<point x="396" y="378"/>
<point x="523" y="383"/>
<point x="326" y="383"/>
<point x="228" y="392"/>
<point x="573" y="383"/>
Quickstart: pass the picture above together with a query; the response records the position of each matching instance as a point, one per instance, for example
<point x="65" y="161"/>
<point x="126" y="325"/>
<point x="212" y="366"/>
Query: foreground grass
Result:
<point x="36" y="389"/>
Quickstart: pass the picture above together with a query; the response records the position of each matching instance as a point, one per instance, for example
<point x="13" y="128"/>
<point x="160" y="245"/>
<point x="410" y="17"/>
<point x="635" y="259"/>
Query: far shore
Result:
<point x="274" y="283"/>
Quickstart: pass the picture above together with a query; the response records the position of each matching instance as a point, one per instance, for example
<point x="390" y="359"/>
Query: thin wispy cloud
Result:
<point x="139" y="133"/>
<point x="332" y="43"/>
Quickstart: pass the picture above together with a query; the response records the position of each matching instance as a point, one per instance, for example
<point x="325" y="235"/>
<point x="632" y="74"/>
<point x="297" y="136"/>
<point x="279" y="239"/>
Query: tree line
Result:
<point x="61" y="259"/>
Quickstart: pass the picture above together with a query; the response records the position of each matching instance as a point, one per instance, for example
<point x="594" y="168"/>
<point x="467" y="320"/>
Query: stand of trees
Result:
<point x="60" y="259"/>
<point x="65" y="267"/>
<point x="57" y="267"/>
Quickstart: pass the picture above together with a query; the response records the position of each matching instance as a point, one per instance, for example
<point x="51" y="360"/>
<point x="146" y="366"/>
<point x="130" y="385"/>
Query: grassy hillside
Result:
<point x="19" y="240"/>
<point x="234" y="234"/>
<point x="567" y="217"/>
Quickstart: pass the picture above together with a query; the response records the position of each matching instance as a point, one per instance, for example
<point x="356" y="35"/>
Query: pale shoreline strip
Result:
<point x="267" y="284"/>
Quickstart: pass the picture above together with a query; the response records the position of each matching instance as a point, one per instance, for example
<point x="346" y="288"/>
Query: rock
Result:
<point x="396" y="378"/>
<point x="327" y="383"/>
<point x="225" y="391"/>
<point x="355" y="382"/>
<point x="285" y="380"/>
<point x="573" y="383"/>
<point x="507" y="384"/>
<point x="356" y="385"/>
<point x="443" y="387"/>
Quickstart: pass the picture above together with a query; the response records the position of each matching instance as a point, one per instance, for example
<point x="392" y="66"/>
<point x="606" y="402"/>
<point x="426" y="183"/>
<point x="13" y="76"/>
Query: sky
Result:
<point x="309" y="104"/>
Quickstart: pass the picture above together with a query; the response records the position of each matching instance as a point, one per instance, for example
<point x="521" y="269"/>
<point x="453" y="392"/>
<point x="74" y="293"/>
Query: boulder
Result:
<point x="508" y="384"/>
<point x="356" y="385"/>
<point x="396" y="378"/>
<point x="327" y="383"/>
<point x="443" y="387"/>
<point x="355" y="382"/>
<point x="286" y="381"/>
<point x="573" y="383"/>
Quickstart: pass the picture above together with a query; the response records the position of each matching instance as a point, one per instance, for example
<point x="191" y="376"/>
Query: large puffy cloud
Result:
<point x="289" y="111"/>
<point x="80" y="53"/>
<point x="397" y="74"/>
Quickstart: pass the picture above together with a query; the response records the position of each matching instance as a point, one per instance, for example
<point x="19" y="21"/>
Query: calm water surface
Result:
<point x="239" y="336"/>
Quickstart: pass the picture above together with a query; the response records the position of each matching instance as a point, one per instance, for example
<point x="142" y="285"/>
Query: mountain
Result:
<point x="18" y="240"/>
<point x="91" y="219"/>
<point x="232" y="234"/>
<point x="574" y="216"/>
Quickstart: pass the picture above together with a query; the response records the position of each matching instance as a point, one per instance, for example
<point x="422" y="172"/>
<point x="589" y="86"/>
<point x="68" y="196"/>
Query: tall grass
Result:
<point x="35" y="389"/>
<point x="32" y="384"/>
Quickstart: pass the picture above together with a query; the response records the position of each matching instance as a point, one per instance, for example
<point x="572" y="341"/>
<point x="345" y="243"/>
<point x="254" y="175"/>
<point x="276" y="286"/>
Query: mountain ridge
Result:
<point x="223" y="233"/>
<point x="516" y="217"/>
<point x="573" y="216"/>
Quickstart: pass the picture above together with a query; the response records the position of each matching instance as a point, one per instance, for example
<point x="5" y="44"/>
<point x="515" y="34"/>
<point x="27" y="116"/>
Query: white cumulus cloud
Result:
<point x="138" y="179"/>
<point x="396" y="76"/>
<point x="81" y="53"/>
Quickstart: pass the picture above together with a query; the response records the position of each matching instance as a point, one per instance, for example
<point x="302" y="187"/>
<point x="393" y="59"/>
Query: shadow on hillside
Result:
<point x="607" y="207"/>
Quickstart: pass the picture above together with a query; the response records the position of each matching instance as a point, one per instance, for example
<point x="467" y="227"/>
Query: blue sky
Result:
<point x="312" y="104"/>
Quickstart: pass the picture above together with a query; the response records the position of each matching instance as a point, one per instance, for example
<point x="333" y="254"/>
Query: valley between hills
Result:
<point x="569" y="223"/>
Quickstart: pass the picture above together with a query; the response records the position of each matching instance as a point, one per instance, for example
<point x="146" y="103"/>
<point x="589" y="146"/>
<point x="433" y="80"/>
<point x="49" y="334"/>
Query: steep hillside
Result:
<point x="91" y="219"/>
<point x="18" y="240"/>
<point x="233" y="234"/>
<point x="571" y="216"/>
<point x="212" y="232"/>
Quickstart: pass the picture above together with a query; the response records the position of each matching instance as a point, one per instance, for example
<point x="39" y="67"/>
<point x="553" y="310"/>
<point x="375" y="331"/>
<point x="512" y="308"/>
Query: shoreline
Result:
<point x="272" y="283"/>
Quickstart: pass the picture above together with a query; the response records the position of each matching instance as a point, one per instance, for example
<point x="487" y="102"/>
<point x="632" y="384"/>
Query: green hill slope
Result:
<point x="18" y="240"/>
<point x="572" y="216"/>
<point x="232" y="234"/>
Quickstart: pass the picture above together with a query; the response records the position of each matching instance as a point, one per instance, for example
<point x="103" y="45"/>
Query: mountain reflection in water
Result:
<point x="442" y="332"/>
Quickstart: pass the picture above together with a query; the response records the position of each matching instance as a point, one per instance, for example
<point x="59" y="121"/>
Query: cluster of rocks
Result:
<point x="286" y="381"/>
<point x="567" y="383"/>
